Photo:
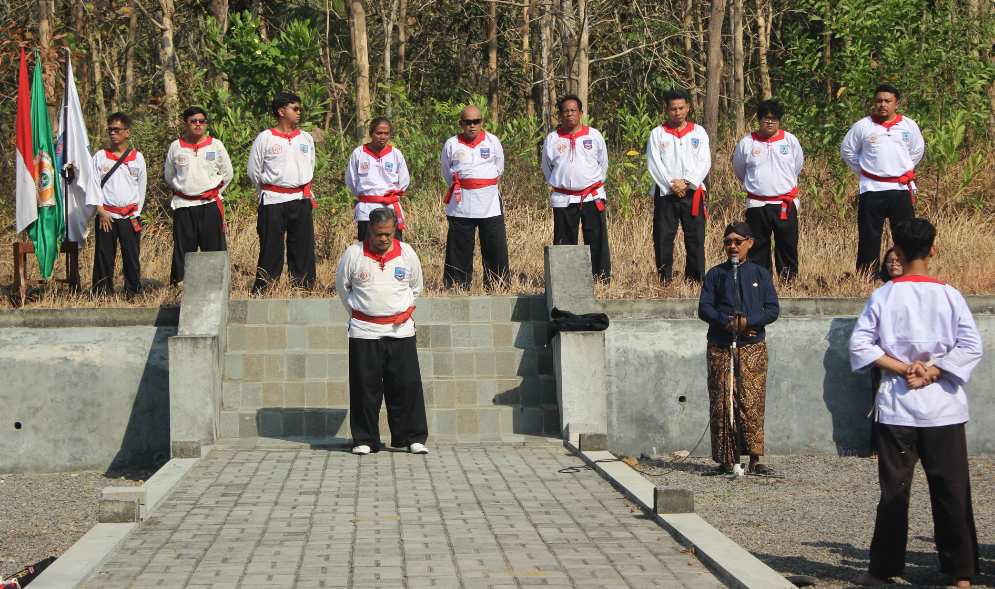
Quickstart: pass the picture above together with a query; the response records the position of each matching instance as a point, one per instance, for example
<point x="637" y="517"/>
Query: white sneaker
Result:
<point x="362" y="450"/>
<point x="417" y="448"/>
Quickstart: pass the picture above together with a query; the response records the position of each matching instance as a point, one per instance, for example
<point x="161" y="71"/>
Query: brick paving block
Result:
<point x="276" y="337"/>
<point x="462" y="335"/>
<point x="443" y="363"/>
<point x="255" y="337"/>
<point x="338" y="364"/>
<point x="258" y="311"/>
<point x="293" y="394"/>
<point x="459" y="309"/>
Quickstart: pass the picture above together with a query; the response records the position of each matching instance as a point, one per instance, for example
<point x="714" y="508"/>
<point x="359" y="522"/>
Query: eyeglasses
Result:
<point x="197" y="121"/>
<point x="730" y="241"/>
<point x="294" y="108"/>
<point x="893" y="262"/>
<point x="472" y="121"/>
<point x="113" y="130"/>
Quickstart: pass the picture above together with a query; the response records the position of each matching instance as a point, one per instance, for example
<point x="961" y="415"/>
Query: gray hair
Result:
<point x="383" y="215"/>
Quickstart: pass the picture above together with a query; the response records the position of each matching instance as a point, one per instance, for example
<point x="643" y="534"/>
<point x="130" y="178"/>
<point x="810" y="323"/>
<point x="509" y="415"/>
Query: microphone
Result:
<point x="735" y="265"/>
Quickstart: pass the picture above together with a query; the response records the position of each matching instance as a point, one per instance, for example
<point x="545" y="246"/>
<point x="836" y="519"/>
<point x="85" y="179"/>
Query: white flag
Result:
<point x="74" y="151"/>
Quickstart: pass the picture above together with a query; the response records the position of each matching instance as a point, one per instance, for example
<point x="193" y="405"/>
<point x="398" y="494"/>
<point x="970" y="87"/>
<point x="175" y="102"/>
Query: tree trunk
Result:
<point x="535" y="45"/>
<point x="402" y="40"/>
<point x="530" y="107"/>
<point x="763" y="39"/>
<point x="256" y="11"/>
<point x="114" y="71"/>
<point x="713" y="84"/>
<point x="129" y="56"/>
<point x="388" y="30"/>
<point x="546" y="39"/>
<point x="46" y="22"/>
<point x="583" y="54"/>
<point x="98" y="83"/>
<point x="493" y="107"/>
<point x="219" y="10"/>
<point x="827" y="44"/>
<point x="739" y="80"/>
<point x="693" y="89"/>
<point x="168" y="60"/>
<point x="360" y="53"/>
<point x="569" y="38"/>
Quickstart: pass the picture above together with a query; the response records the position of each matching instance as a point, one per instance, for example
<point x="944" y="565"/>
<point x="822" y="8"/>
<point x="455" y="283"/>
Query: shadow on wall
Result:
<point x="847" y="394"/>
<point x="288" y="423"/>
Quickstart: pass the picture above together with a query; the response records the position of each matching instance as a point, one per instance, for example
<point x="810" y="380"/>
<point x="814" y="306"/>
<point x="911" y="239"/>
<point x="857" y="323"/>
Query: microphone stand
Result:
<point x="735" y="367"/>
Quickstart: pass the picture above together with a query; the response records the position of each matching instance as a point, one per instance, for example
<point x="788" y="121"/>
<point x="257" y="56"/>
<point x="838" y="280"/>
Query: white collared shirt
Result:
<point x="768" y="166"/>
<point x="125" y="187"/>
<point x="195" y="169"/>
<point x="678" y="155"/>
<point x="574" y="162"/>
<point x="371" y="173"/>
<point x="281" y="160"/>
<point x="481" y="159"/>
<point x="379" y="287"/>
<point x="883" y="150"/>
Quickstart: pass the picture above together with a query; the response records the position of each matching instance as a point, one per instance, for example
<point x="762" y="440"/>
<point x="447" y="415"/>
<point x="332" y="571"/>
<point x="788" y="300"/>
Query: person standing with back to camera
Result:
<point x="377" y="175"/>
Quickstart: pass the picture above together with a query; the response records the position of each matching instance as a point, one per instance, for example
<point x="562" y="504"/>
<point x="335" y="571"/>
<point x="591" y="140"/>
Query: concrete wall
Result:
<point x="658" y="396"/>
<point x="93" y="396"/>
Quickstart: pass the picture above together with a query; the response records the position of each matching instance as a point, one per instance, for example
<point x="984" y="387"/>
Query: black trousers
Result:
<point x="386" y="369"/>
<point x="294" y="221"/>
<point x="766" y="221"/>
<point x="943" y="452"/>
<point x="195" y="227"/>
<point x="872" y="209"/>
<point x="459" y="251"/>
<point x="669" y="211"/>
<point x="566" y="222"/>
<point x="105" y="252"/>
<point x="363" y="231"/>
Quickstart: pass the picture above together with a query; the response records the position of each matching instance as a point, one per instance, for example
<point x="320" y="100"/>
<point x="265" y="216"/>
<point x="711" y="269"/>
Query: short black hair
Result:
<point x="890" y="89"/>
<point x="772" y="108"/>
<point x="382" y="215"/>
<point x="282" y="100"/>
<point x="380" y="121"/>
<point x="915" y="237"/>
<point x="884" y="272"/>
<point x="676" y="95"/>
<point x="120" y="117"/>
<point x="193" y="110"/>
<point x="568" y="98"/>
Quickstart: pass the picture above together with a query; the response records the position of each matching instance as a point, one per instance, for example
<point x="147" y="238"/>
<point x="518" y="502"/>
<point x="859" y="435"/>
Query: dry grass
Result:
<point x="827" y="247"/>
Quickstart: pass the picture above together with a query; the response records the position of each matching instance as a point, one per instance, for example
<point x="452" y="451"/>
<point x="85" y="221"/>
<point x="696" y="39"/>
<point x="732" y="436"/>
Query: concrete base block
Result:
<point x="569" y="281"/>
<point x="593" y="442"/>
<point x="672" y="500"/>
<point x="119" y="511"/>
<point x="180" y="449"/>
<point x="581" y="384"/>
<point x="573" y="431"/>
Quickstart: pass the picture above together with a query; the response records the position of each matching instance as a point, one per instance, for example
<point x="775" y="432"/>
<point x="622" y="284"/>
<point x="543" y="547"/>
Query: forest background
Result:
<point x="420" y="61"/>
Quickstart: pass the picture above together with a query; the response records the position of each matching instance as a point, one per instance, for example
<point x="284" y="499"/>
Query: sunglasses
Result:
<point x="472" y="121"/>
<point x="113" y="130"/>
<point x="196" y="121"/>
<point x="730" y="241"/>
<point x="294" y="108"/>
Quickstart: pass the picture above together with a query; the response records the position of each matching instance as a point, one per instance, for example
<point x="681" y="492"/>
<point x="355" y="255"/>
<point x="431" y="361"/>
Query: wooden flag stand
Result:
<point x="19" y="290"/>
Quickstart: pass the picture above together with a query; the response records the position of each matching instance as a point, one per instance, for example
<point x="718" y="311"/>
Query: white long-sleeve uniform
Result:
<point x="917" y="318"/>
<point x="125" y="187"/>
<point x="481" y="159"/>
<point x="574" y="162"/>
<point x="379" y="287"/>
<point x="678" y="155"/>
<point x="281" y="160"/>
<point x="768" y="166"/>
<point x="374" y="174"/>
<point x="888" y="151"/>
<point x="195" y="169"/>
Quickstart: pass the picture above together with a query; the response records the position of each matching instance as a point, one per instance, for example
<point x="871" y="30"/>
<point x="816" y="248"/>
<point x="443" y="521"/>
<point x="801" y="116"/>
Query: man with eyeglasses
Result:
<point x="574" y="162"/>
<point x="472" y="163"/>
<point x="883" y="149"/>
<point x="117" y="190"/>
<point x="737" y="415"/>
<point x="768" y="162"/>
<point x="198" y="169"/>
<point x="281" y="168"/>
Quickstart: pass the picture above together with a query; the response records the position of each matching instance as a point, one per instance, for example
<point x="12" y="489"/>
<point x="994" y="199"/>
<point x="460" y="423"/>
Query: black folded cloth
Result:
<point x="567" y="321"/>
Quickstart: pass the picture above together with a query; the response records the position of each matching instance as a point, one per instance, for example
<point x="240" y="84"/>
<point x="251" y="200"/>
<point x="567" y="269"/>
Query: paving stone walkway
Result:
<point x="462" y="517"/>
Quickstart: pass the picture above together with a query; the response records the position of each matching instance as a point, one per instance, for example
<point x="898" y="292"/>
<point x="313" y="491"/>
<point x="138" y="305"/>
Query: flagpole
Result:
<point x="65" y="145"/>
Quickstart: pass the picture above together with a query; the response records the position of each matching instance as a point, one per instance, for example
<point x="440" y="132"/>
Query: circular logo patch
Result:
<point x="873" y="138"/>
<point x="364" y="167"/>
<point x="460" y="154"/>
<point x="105" y="168"/>
<point x="757" y="151"/>
<point x="666" y="144"/>
<point x="277" y="149"/>
<point x="181" y="160"/>
<point x="561" y="147"/>
<point x="364" y="275"/>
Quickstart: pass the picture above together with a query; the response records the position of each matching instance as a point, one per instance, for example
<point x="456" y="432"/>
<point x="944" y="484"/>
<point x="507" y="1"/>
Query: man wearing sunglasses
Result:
<point x="472" y="163"/>
<point x="281" y="168"/>
<point x="198" y="169"/>
<point x="737" y="426"/>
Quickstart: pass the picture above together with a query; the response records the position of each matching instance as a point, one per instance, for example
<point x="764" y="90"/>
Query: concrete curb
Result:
<point x="728" y="560"/>
<point x="89" y="553"/>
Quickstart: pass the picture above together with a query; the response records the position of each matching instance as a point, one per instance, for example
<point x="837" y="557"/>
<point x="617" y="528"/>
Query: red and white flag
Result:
<point x="26" y="194"/>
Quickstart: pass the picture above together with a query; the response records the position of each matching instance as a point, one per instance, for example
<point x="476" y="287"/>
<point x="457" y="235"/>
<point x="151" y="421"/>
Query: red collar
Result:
<point x="284" y="135"/>
<point x="583" y="131"/>
<point x="131" y="156"/>
<point x="382" y="260"/>
<point x="898" y="119"/>
<point x="474" y="143"/>
<point x="917" y="278"/>
<point x="374" y="154"/>
<point x="679" y="134"/>
<point x="775" y="137"/>
<point x="204" y="143"/>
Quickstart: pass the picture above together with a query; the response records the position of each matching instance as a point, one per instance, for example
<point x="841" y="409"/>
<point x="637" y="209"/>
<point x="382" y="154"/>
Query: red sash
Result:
<point x="598" y="202"/>
<point x="905" y="178"/>
<point x="469" y="184"/>
<point x="389" y="320"/>
<point x="392" y="197"/>
<point x="130" y="211"/>
<point x="212" y="194"/>
<point x="306" y="189"/>
<point x="785" y="200"/>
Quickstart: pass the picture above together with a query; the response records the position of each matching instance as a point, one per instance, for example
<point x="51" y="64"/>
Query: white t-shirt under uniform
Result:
<point x="195" y="169"/>
<point x="575" y="162"/>
<point x="678" y="155"/>
<point x="887" y="150"/>
<point x="481" y="159"/>
<point x="375" y="174"/>
<point x="379" y="286"/>
<point x="125" y="187"/>
<point x="768" y="166"/>
<point x="284" y="160"/>
<point x="917" y="318"/>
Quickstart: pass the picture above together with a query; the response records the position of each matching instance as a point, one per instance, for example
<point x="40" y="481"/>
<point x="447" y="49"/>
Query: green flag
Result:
<point x="46" y="232"/>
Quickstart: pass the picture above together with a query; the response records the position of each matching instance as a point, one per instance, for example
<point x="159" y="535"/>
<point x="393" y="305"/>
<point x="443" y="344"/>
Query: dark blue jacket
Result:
<point x="759" y="301"/>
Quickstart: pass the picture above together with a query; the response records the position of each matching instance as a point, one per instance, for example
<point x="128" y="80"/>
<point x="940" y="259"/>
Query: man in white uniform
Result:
<point x="379" y="280"/>
<point x="883" y="149"/>
<point x="768" y="162"/>
<point x="198" y="169"/>
<point x="574" y="162"/>
<point x="921" y="334"/>
<point x="281" y="168"/>
<point x="472" y="163"/>
<point x="678" y="158"/>
<point x="117" y="190"/>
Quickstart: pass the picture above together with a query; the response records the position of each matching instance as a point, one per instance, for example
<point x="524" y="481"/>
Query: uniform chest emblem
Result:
<point x="364" y="275"/>
<point x="277" y="149"/>
<point x="485" y="152"/>
<point x="666" y="144"/>
<point x="588" y="144"/>
<point x="210" y="156"/>
<point x="134" y="171"/>
<point x="561" y="147"/>
<point x="460" y="154"/>
<point x="388" y="166"/>
<point x="105" y="168"/>
<point x="905" y="136"/>
<point x="364" y="167"/>
<point x="757" y="151"/>
<point x="784" y="150"/>
<point x="873" y="138"/>
<point x="304" y="148"/>
<point x="694" y="143"/>
<point x="182" y="160"/>
<point x="400" y="273"/>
